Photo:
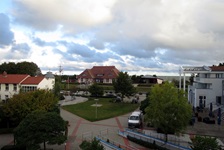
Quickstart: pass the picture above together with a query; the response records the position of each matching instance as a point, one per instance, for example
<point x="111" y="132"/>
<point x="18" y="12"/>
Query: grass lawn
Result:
<point x="107" y="110"/>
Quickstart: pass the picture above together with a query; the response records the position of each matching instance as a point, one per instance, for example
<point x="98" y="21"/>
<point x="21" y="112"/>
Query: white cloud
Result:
<point x="135" y="35"/>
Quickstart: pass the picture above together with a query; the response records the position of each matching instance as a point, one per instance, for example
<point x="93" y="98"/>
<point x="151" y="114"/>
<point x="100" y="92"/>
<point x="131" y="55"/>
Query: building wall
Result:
<point x="46" y="84"/>
<point x="207" y="85"/>
<point x="8" y="93"/>
<point x="85" y="80"/>
<point x="108" y="81"/>
<point x="159" y="81"/>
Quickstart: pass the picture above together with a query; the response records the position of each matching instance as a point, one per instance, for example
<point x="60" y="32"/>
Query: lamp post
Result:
<point x="96" y="107"/>
<point x="65" y="146"/>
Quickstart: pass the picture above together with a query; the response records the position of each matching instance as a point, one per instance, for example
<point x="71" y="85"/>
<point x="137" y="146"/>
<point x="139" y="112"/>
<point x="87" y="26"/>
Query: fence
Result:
<point x="159" y="140"/>
<point x="104" y="137"/>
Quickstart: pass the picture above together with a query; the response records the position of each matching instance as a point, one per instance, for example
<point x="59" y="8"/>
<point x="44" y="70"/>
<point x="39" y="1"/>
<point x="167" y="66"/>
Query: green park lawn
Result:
<point x="107" y="110"/>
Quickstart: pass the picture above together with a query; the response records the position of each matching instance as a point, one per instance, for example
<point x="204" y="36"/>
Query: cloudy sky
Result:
<point x="142" y="37"/>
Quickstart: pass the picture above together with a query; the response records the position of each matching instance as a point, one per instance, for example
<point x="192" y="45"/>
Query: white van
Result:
<point x="135" y="120"/>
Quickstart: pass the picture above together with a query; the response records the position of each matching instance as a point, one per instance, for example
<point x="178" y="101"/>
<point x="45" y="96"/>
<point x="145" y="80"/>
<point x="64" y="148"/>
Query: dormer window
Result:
<point x="84" y="74"/>
<point x="99" y="75"/>
<point x="6" y="87"/>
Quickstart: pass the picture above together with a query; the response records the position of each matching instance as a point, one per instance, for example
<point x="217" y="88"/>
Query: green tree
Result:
<point x="9" y="67"/>
<point x="20" y="68"/>
<point x="94" y="144"/>
<point x="57" y="89"/>
<point x="28" y="68"/>
<point x="22" y="104"/>
<point x="96" y="90"/>
<point x="205" y="143"/>
<point x="144" y="104"/>
<point x="40" y="127"/>
<point x="169" y="110"/>
<point x="123" y="85"/>
<point x="136" y="79"/>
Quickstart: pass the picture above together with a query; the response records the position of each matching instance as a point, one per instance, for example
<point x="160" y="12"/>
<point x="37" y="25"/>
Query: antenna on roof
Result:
<point x="60" y="70"/>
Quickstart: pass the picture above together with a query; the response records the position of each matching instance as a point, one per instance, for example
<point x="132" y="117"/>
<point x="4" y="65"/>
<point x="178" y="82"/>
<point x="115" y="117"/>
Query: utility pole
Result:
<point x="60" y="72"/>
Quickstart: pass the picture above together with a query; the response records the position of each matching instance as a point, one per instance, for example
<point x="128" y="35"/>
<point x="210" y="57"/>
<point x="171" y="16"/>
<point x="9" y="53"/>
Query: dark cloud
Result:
<point x="22" y="47"/>
<point x="19" y="51"/>
<point x="32" y="18"/>
<point x="6" y="35"/>
<point x="97" y="44"/>
<point x="40" y="42"/>
<point x="78" y="52"/>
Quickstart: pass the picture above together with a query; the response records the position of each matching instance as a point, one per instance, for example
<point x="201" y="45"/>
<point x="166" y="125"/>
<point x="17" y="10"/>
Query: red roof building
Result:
<point x="98" y="74"/>
<point x="11" y="84"/>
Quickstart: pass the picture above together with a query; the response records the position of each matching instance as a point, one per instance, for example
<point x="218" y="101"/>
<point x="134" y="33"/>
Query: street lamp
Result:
<point x="96" y="107"/>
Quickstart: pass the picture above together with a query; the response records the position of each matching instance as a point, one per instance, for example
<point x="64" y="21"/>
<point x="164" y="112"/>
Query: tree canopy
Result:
<point x="93" y="145"/>
<point x="20" y="68"/>
<point x="169" y="110"/>
<point x="96" y="90"/>
<point x="123" y="85"/>
<point x="205" y="143"/>
<point x="40" y="127"/>
<point x="22" y="104"/>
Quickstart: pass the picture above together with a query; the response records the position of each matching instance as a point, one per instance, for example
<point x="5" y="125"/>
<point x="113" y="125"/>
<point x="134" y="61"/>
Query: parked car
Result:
<point x="135" y="120"/>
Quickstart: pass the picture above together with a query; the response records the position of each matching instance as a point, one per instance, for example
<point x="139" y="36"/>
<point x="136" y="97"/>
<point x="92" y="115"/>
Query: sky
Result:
<point x="141" y="37"/>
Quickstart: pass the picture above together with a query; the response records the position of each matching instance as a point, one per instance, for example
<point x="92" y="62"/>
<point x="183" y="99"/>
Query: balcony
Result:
<point x="204" y="80"/>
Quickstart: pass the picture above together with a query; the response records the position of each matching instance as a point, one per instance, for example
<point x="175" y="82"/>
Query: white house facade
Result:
<point x="208" y="86"/>
<point x="11" y="84"/>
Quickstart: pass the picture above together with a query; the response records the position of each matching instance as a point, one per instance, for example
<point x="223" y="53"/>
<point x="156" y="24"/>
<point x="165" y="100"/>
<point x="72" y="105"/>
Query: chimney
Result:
<point x="4" y="74"/>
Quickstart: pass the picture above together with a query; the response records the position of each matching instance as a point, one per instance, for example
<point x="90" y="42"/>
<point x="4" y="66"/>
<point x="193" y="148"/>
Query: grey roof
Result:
<point x="49" y="75"/>
<point x="191" y="69"/>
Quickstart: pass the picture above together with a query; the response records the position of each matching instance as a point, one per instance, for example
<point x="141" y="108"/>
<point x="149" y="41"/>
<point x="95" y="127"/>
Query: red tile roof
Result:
<point x="103" y="72"/>
<point x="33" y="80"/>
<point x="12" y="78"/>
<point x="19" y="79"/>
<point x="217" y="68"/>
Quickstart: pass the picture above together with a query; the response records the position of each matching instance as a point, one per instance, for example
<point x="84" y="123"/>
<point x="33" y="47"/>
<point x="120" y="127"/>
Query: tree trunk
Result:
<point x="44" y="145"/>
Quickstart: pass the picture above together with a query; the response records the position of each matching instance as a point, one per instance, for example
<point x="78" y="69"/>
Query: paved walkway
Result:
<point x="81" y="129"/>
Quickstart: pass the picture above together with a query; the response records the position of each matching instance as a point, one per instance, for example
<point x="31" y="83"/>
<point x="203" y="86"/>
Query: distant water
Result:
<point x="170" y="78"/>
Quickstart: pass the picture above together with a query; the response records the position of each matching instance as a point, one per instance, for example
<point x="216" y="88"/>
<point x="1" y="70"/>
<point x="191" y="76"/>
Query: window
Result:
<point x="29" y="88"/>
<point x="6" y="97"/>
<point x="14" y="87"/>
<point x="0" y="87"/>
<point x="218" y="100"/>
<point x="6" y="87"/>
<point x="218" y="75"/>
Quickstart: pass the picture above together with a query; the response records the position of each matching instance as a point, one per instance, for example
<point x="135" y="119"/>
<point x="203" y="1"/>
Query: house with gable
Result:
<point x="11" y="84"/>
<point x="98" y="74"/>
